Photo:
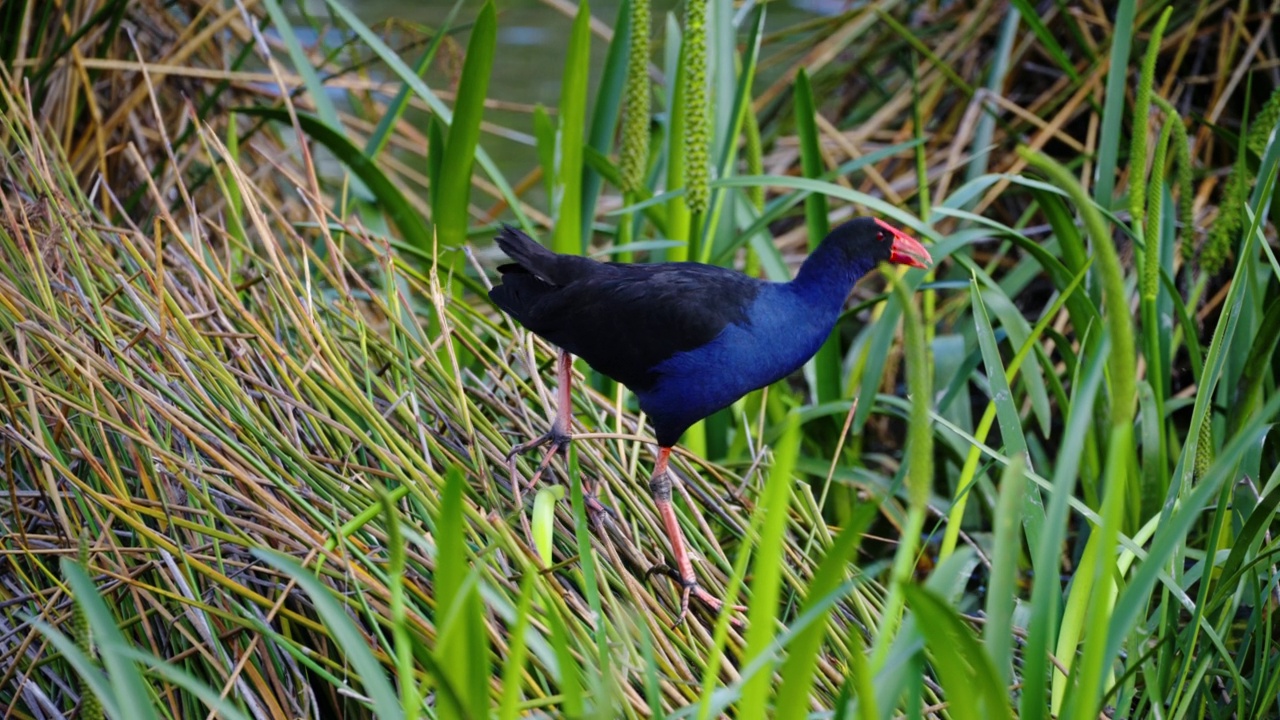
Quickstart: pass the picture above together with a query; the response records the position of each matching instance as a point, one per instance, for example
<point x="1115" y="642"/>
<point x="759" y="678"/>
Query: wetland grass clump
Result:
<point x="256" y="407"/>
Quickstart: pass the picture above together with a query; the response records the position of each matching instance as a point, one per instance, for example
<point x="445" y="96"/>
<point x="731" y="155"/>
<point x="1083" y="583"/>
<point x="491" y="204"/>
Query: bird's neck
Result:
<point x="828" y="275"/>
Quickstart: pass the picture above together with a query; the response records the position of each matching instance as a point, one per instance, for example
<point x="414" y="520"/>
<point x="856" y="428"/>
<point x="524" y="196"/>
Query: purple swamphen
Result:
<point x="688" y="339"/>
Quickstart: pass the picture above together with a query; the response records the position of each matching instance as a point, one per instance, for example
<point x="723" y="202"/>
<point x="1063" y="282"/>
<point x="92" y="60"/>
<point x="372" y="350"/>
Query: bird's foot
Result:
<point x="555" y="437"/>
<point x="597" y="512"/>
<point x="691" y="589"/>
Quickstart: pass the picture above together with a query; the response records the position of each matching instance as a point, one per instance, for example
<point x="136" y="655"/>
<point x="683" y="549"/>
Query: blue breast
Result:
<point x="783" y="330"/>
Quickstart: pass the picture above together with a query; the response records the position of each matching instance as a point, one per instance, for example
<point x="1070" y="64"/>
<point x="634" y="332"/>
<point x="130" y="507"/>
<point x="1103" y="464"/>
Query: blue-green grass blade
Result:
<point x="604" y="115"/>
<point x="1113" y="109"/>
<point x="319" y="95"/>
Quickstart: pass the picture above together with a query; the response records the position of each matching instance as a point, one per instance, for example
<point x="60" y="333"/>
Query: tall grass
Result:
<point x="256" y="405"/>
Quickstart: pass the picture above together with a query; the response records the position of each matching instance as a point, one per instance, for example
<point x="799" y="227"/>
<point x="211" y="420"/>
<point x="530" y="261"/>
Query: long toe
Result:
<point x="691" y="589"/>
<point x="597" y="512"/>
<point x="558" y="440"/>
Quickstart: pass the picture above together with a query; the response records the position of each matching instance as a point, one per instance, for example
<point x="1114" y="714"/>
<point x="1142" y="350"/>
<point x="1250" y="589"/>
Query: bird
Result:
<point x="686" y="338"/>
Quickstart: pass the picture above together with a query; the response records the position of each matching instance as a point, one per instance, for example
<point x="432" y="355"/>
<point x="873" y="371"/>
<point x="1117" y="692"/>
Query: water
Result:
<point x="532" y="37"/>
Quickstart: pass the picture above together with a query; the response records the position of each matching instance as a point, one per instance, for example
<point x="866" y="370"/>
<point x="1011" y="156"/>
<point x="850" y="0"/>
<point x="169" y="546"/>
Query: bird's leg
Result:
<point x="558" y="436"/>
<point x="682" y="573"/>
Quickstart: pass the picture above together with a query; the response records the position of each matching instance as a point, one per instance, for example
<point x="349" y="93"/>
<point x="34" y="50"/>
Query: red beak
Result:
<point x="906" y="249"/>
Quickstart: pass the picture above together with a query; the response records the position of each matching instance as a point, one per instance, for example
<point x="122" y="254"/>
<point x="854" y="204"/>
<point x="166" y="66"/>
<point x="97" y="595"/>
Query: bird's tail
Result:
<point x="528" y="254"/>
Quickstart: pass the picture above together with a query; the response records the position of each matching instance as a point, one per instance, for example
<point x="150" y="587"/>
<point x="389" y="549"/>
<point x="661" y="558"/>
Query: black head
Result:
<point x="870" y="241"/>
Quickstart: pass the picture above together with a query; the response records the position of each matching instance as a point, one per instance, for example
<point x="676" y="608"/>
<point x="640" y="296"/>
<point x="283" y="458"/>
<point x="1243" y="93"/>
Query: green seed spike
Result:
<point x="1226" y="229"/>
<point x="1141" y="113"/>
<point x="697" y="137"/>
<point x="1155" y="199"/>
<point x="1261" y="126"/>
<point x="1186" y="195"/>
<point x="1204" y="448"/>
<point x="635" y="123"/>
<point x="90" y="705"/>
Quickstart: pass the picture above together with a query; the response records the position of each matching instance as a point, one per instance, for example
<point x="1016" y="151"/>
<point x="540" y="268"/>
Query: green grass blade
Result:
<point x="462" y="649"/>
<point x="728" y="152"/>
<point x="1046" y="37"/>
<point x="452" y="196"/>
<point x="404" y="645"/>
<point x="677" y="211"/>
<point x="802" y="660"/>
<point x="827" y="363"/>
<point x="971" y="682"/>
<point x="1096" y="580"/>
<point x="762" y="611"/>
<point x="129" y="691"/>
<point x="438" y="108"/>
<point x="1113" y="110"/>
<point x="1123" y="367"/>
<point x="544" y="134"/>
<point x="395" y="109"/>
<point x="544" y="519"/>
<point x="567" y="200"/>
<point x="997" y="632"/>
